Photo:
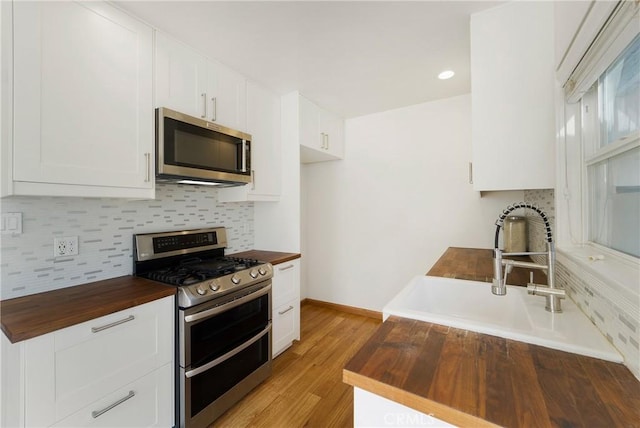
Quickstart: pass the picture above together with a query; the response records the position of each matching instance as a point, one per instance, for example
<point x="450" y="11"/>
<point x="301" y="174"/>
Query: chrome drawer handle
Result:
<point x="97" y="413"/>
<point x="285" y="311"/>
<point x="285" y="268"/>
<point x="113" y="324"/>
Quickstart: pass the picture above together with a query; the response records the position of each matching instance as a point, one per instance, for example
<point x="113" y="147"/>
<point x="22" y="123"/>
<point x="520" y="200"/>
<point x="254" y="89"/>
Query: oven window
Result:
<point x="221" y="333"/>
<point x="210" y="385"/>
<point x="195" y="147"/>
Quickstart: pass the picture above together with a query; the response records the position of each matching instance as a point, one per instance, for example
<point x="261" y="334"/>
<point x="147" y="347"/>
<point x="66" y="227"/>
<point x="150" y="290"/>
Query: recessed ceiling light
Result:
<point x="448" y="74"/>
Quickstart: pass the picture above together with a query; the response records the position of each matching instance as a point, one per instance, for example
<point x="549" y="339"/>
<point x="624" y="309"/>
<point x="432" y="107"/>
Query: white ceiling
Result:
<point x="351" y="57"/>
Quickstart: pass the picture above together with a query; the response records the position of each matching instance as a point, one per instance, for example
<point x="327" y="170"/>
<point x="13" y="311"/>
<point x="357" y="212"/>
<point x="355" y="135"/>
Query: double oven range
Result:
<point x="223" y="318"/>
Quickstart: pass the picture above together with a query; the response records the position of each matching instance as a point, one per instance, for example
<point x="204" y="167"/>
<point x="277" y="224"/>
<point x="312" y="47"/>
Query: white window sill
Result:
<point x="621" y="274"/>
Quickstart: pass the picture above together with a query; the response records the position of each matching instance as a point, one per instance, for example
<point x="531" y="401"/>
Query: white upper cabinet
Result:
<point x="512" y="92"/>
<point x="321" y="133"/>
<point x="188" y="82"/>
<point x="82" y="104"/>
<point x="181" y="77"/>
<point x="263" y="123"/>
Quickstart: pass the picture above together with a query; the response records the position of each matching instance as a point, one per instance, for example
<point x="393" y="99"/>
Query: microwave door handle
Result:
<point x="244" y="155"/>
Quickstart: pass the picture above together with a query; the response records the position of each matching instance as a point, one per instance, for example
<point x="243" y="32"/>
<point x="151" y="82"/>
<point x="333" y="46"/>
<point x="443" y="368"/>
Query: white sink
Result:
<point x="470" y="305"/>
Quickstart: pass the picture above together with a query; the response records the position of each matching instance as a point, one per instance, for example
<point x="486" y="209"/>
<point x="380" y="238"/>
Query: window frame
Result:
<point x="618" y="270"/>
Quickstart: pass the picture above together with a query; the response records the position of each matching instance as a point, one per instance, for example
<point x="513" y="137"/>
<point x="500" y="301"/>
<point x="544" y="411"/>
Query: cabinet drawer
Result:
<point x="94" y="358"/>
<point x="146" y="402"/>
<point x="284" y="326"/>
<point x="285" y="282"/>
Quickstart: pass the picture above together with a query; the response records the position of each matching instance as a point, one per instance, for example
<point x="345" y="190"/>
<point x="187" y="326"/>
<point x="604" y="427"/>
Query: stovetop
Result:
<point x="193" y="271"/>
<point x="193" y="261"/>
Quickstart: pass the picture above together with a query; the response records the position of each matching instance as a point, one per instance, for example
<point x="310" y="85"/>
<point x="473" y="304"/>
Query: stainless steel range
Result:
<point x="223" y="318"/>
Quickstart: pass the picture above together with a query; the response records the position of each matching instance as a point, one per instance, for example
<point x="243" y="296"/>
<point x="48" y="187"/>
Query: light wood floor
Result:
<point x="306" y="389"/>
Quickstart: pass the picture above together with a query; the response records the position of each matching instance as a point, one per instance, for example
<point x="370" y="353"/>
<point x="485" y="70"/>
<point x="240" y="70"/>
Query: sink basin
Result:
<point x="518" y="316"/>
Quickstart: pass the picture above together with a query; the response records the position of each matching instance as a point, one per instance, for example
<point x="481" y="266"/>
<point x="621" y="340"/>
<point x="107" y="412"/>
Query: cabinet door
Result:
<point x="82" y="95"/>
<point x="310" y="135"/>
<point x="332" y="130"/>
<point x="321" y="133"/>
<point x="263" y="123"/>
<point x="181" y="78"/>
<point x="512" y="81"/>
<point x="227" y="97"/>
<point x="284" y="326"/>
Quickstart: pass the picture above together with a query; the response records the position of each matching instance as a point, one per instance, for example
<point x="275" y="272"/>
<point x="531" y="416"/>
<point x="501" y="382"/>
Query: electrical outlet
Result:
<point x="67" y="246"/>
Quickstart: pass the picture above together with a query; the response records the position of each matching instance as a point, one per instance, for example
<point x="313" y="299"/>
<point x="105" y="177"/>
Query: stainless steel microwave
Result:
<point x="195" y="151"/>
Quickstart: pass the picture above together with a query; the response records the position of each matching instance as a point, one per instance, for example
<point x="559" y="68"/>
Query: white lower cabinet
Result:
<point x="372" y="410"/>
<point x="116" y="371"/>
<point x="286" y="305"/>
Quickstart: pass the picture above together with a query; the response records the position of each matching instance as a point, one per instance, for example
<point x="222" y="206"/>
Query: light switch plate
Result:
<point x="11" y="223"/>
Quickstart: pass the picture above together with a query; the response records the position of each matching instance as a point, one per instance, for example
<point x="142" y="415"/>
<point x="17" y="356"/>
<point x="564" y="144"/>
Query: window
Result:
<point x="611" y="143"/>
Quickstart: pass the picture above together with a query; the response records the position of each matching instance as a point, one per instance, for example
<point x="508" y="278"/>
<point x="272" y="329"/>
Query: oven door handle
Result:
<point x="232" y="304"/>
<point x="229" y="354"/>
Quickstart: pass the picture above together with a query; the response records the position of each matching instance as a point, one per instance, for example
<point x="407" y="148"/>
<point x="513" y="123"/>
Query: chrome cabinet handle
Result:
<point x="214" y="101"/>
<point x="204" y="102"/>
<point x="285" y="268"/>
<point x="286" y="310"/>
<point x="470" y="172"/>
<point x="113" y="324"/>
<point x="147" y="156"/>
<point x="253" y="179"/>
<point x="225" y="357"/>
<point x="323" y="140"/>
<point x="326" y="147"/>
<point x="97" y="413"/>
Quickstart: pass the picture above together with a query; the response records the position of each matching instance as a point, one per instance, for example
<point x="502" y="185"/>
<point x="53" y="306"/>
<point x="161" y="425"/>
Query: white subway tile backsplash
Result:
<point x="621" y="328"/>
<point x="105" y="228"/>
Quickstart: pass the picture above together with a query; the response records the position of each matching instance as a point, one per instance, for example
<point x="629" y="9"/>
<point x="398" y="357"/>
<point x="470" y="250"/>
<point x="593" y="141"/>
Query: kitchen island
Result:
<point x="473" y="379"/>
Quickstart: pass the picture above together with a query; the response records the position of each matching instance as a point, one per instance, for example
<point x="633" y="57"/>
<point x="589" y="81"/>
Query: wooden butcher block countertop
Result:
<point x="273" y="257"/>
<point x="472" y="379"/>
<point x="476" y="264"/>
<point x="27" y="317"/>
<point x="31" y="316"/>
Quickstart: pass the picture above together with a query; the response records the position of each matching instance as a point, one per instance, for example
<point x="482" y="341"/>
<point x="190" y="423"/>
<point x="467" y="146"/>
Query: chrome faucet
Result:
<point x="499" y="286"/>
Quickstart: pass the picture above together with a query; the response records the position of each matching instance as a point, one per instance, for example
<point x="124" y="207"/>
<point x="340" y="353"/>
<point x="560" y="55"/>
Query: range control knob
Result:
<point x="253" y="273"/>
<point x="214" y="285"/>
<point x="235" y="279"/>
<point x="201" y="291"/>
<point x="262" y="271"/>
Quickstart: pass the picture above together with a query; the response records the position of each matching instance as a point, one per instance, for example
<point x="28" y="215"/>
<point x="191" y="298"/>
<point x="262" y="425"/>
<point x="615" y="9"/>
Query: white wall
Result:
<point x="390" y="209"/>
